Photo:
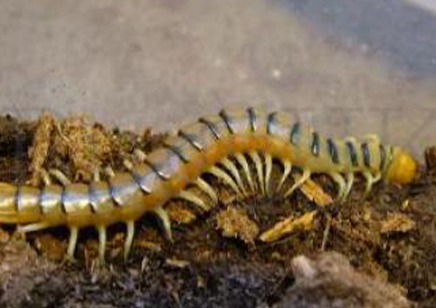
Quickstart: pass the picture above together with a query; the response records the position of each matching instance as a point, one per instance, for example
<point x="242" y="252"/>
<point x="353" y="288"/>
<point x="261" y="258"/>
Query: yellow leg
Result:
<point x="234" y="171"/>
<point x="243" y="162"/>
<point x="207" y="189"/>
<point x="193" y="198"/>
<point x="219" y="173"/>
<point x="268" y="170"/>
<point x="350" y="181"/>
<point x="101" y="244"/>
<point x="339" y="180"/>
<point x="129" y="238"/>
<point x="166" y="223"/>
<point x="259" y="168"/>
<point x="74" y="231"/>
<point x="287" y="170"/>
<point x="299" y="181"/>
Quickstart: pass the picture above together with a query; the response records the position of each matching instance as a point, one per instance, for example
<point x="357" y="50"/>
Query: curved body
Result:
<point x="198" y="148"/>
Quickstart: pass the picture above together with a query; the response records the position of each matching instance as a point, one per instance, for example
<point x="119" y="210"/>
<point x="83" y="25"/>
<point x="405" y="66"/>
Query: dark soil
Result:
<point x="391" y="236"/>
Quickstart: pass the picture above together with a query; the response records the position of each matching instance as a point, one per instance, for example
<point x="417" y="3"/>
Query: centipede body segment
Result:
<point x="224" y="146"/>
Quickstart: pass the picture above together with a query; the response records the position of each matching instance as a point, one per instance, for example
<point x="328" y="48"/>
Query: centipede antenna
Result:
<point x="101" y="244"/>
<point x="74" y="231"/>
<point x="268" y="170"/>
<point x="60" y="176"/>
<point x="207" y="189"/>
<point x="234" y="171"/>
<point x="287" y="168"/>
<point x="339" y="180"/>
<point x="259" y="168"/>
<point x="298" y="182"/>
<point x="243" y="162"/>
<point x="130" y="228"/>
<point x="350" y="181"/>
<point x="219" y="173"/>
<point x="193" y="198"/>
<point x="166" y="223"/>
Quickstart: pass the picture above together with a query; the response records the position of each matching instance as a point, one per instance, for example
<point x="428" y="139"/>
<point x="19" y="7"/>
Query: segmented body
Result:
<point x="204" y="146"/>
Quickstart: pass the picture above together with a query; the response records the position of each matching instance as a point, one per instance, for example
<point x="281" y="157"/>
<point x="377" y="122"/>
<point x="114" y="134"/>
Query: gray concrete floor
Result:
<point x="350" y="67"/>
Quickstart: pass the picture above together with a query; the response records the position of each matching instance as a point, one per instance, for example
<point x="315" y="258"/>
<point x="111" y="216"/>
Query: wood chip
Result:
<point x="235" y="223"/>
<point x="315" y="193"/>
<point x="430" y="158"/>
<point x="288" y="225"/>
<point x="180" y="213"/>
<point x="397" y="222"/>
<point x="39" y="150"/>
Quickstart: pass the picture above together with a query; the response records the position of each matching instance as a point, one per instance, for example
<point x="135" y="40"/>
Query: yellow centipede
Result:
<point x="222" y="145"/>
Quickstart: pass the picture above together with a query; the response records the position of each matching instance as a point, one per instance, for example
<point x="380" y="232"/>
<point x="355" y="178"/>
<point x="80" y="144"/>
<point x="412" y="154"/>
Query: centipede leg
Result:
<point x="33" y="227"/>
<point x="243" y="162"/>
<point x="207" y="189"/>
<point x="259" y="168"/>
<point x="60" y="176"/>
<point x="166" y="223"/>
<point x="193" y="198"/>
<point x="45" y="178"/>
<point x="130" y="225"/>
<point x="299" y="181"/>
<point x="268" y="170"/>
<point x="350" y="181"/>
<point x="101" y="244"/>
<point x="234" y="171"/>
<point x="72" y="242"/>
<point x="341" y="185"/>
<point x="219" y="173"/>
<point x="287" y="167"/>
<point x="369" y="182"/>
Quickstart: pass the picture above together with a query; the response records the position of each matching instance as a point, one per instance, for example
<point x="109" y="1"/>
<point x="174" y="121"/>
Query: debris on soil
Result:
<point x="85" y="145"/>
<point x="397" y="222"/>
<point x="236" y="224"/>
<point x="40" y="145"/>
<point x="330" y="281"/>
<point x="287" y="226"/>
<point x="315" y="193"/>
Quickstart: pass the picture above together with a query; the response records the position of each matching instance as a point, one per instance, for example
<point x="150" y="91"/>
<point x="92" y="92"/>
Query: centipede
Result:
<point x="235" y="146"/>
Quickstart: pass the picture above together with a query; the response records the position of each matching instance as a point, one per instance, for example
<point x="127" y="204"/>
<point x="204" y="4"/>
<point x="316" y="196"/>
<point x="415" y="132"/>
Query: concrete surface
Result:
<point x="161" y="63"/>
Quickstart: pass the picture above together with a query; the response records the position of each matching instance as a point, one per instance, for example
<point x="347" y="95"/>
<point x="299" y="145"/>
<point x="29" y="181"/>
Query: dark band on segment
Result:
<point x="365" y="154"/>
<point x="92" y="198"/>
<point x="175" y="150"/>
<point x="112" y="193"/>
<point x="40" y="198"/>
<point x="156" y="170"/>
<point x="252" y="119"/>
<point x="352" y="152"/>
<point x="211" y="126"/>
<point x="315" y="144"/>
<point x="62" y="201"/>
<point x="191" y="140"/>
<point x="333" y="150"/>
<point x="223" y="114"/>
<point x="271" y="120"/>
<point x="17" y="199"/>
<point x="295" y="133"/>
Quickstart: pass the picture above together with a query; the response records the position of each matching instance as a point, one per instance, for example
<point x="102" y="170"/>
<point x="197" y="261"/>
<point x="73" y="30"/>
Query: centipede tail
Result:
<point x="238" y="148"/>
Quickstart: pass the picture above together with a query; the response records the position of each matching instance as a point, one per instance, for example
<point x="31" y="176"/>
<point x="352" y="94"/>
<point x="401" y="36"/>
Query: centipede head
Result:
<point x="402" y="167"/>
